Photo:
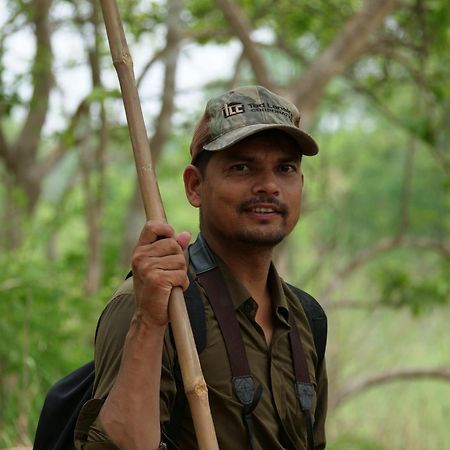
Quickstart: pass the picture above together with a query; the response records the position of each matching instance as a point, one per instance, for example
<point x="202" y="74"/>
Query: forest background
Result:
<point x="370" y="78"/>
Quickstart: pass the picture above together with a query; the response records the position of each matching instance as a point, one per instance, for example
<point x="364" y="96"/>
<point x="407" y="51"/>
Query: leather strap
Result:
<point x="303" y="387"/>
<point x="223" y="309"/>
<point x="244" y="385"/>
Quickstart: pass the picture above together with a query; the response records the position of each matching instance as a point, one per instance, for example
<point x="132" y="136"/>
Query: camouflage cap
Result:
<point x="243" y="112"/>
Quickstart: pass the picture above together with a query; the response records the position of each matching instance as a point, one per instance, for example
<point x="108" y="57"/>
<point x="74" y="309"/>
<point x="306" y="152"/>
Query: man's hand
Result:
<point x="158" y="265"/>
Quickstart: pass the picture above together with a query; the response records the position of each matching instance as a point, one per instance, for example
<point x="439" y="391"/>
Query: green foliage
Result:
<point x="388" y="114"/>
<point x="50" y="319"/>
<point x="355" y="442"/>
<point x="140" y="18"/>
<point x="399" y="288"/>
<point x="8" y="102"/>
<point x="42" y="338"/>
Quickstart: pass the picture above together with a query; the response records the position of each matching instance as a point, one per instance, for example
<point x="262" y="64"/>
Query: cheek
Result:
<point x="295" y="203"/>
<point x="223" y="194"/>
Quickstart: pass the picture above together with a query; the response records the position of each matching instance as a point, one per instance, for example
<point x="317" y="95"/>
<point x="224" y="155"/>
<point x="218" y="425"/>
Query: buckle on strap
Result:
<point x="247" y="393"/>
<point x="305" y="395"/>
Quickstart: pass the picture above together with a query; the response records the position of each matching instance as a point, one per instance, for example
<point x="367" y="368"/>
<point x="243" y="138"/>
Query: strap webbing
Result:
<point x="243" y="383"/>
<point x="222" y="306"/>
<point x="303" y="387"/>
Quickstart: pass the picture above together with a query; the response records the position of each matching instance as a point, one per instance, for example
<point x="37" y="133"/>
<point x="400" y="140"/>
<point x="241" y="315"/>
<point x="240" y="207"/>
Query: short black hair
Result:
<point x="202" y="160"/>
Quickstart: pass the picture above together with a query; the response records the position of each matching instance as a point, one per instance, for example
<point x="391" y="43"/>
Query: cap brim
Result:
<point x="307" y="144"/>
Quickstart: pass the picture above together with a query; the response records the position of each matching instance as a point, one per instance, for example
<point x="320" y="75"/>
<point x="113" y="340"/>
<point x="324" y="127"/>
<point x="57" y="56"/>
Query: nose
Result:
<point x="266" y="183"/>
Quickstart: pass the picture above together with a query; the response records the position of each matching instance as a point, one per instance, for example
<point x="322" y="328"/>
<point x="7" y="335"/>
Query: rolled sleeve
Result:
<point x="89" y="433"/>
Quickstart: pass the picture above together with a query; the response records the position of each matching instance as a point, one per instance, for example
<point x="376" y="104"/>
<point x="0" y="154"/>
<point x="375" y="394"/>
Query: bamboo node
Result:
<point x="200" y="389"/>
<point x="124" y="58"/>
<point x="147" y="167"/>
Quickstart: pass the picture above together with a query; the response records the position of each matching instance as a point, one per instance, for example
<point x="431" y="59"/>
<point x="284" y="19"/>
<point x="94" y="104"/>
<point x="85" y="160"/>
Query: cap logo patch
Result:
<point x="231" y="109"/>
<point x="268" y="107"/>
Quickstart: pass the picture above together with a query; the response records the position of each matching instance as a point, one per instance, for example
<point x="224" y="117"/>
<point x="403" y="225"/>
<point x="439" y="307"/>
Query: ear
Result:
<point x="192" y="185"/>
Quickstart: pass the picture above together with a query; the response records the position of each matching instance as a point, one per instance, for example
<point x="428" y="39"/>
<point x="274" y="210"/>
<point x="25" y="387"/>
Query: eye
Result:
<point x="287" y="168"/>
<point x="241" y="167"/>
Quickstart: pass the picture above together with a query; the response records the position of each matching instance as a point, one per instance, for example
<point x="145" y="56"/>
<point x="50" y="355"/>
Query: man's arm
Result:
<point x="131" y="413"/>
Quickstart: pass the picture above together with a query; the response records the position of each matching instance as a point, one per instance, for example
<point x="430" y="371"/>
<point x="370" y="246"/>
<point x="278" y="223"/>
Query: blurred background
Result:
<point x="370" y="79"/>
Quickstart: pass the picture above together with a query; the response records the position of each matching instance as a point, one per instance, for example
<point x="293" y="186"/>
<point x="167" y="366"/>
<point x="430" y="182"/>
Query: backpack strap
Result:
<point x="197" y="319"/>
<point x="304" y="390"/>
<point x="317" y="320"/>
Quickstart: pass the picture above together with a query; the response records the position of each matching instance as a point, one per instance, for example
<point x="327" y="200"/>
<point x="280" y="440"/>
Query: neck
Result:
<point x="250" y="264"/>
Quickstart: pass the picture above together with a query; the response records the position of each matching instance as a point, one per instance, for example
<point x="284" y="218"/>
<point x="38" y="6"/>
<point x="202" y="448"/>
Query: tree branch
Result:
<point x="27" y="143"/>
<point x="237" y="70"/>
<point x="238" y="22"/>
<point x="160" y="54"/>
<point x="172" y="51"/>
<point x="405" y="200"/>
<point x="204" y="34"/>
<point x="47" y="164"/>
<point x="351" y="43"/>
<point x="382" y="246"/>
<point x="4" y="149"/>
<point x="360" y="385"/>
<point x="436" y="153"/>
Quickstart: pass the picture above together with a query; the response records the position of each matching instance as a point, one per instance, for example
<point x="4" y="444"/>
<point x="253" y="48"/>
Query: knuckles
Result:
<point x="158" y="261"/>
<point x="168" y="247"/>
<point x="154" y="230"/>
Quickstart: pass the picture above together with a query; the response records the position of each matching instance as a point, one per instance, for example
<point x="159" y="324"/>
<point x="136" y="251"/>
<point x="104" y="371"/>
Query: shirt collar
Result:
<point x="240" y="295"/>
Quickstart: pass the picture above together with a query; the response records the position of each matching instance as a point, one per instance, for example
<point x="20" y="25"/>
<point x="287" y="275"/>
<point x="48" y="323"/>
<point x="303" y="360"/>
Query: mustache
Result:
<point x="268" y="200"/>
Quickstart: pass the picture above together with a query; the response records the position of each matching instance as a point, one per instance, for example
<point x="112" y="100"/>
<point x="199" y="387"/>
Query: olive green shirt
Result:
<point x="277" y="414"/>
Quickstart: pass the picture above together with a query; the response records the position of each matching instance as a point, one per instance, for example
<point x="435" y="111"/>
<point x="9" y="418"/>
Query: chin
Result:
<point x="261" y="239"/>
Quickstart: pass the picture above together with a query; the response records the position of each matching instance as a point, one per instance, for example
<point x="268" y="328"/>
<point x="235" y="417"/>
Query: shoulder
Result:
<point x="312" y="307"/>
<point x="116" y="316"/>
<point x="123" y="297"/>
<point x="317" y="319"/>
<point x="112" y="328"/>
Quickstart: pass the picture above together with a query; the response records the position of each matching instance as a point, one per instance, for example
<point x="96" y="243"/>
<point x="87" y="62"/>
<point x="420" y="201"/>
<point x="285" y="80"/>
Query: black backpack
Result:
<point x="61" y="408"/>
<point x="64" y="400"/>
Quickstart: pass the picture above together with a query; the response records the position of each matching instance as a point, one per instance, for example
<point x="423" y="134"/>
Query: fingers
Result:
<point x="158" y="250"/>
<point x="154" y="230"/>
<point x="158" y="265"/>
<point x="183" y="239"/>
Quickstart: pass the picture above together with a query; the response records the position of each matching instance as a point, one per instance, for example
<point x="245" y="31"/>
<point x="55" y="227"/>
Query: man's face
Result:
<point x="251" y="192"/>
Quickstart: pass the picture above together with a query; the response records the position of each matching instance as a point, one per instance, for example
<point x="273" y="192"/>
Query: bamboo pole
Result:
<point x="194" y="383"/>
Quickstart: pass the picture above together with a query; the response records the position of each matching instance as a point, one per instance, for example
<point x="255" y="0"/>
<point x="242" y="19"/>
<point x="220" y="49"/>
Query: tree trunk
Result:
<point x="95" y="191"/>
<point x="20" y="156"/>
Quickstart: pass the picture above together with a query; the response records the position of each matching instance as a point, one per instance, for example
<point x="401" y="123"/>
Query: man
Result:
<point x="247" y="182"/>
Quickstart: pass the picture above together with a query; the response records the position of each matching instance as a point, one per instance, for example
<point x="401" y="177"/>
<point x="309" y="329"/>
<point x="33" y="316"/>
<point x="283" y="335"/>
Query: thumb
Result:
<point x="183" y="239"/>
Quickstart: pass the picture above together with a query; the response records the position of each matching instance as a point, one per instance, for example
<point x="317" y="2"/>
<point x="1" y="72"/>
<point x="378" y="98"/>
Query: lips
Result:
<point x="263" y="205"/>
<point x="264" y="210"/>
